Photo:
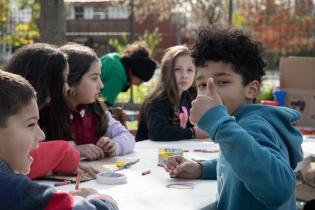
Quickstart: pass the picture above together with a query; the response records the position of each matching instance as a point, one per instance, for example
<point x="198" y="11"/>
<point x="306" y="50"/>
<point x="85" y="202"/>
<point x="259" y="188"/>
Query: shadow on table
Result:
<point x="212" y="206"/>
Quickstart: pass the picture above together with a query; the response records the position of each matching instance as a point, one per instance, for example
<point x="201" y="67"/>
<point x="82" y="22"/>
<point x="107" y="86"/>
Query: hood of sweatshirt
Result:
<point x="282" y="119"/>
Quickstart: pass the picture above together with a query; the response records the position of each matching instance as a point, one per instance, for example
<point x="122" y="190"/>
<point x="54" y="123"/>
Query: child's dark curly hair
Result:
<point x="216" y="43"/>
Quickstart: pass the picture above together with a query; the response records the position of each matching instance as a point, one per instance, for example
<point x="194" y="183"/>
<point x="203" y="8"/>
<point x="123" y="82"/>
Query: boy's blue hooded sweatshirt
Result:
<point x="259" y="149"/>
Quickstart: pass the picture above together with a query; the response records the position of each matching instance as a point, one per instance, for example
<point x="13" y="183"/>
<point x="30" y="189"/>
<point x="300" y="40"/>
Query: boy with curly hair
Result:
<point x="259" y="146"/>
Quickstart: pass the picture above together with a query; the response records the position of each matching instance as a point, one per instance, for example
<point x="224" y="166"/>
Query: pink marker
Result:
<point x="206" y="150"/>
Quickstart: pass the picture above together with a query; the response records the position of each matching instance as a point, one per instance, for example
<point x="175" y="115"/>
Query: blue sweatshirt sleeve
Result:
<point x="209" y="169"/>
<point x="253" y="154"/>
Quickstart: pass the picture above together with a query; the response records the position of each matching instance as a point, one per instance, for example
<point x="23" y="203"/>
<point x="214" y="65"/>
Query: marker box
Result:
<point x="165" y="153"/>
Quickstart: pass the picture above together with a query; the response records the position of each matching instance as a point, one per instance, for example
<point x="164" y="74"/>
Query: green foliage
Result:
<point x="139" y="92"/>
<point x="4" y="11"/>
<point x="23" y="32"/>
<point x="265" y="92"/>
<point x="152" y="40"/>
<point x="239" y="20"/>
<point x="118" y="45"/>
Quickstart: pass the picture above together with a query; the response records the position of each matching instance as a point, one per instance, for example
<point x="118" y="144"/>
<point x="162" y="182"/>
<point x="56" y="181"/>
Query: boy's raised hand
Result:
<point x="205" y="100"/>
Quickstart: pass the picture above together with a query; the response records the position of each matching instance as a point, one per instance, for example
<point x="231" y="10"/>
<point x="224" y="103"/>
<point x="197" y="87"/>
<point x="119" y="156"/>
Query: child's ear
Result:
<point x="252" y="90"/>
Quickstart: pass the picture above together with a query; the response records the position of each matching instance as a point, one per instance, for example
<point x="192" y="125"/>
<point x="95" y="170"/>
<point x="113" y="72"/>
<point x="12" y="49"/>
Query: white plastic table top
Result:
<point x="150" y="191"/>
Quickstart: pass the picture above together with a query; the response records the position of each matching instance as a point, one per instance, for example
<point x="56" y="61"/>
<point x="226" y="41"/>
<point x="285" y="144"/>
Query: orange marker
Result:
<point x="77" y="181"/>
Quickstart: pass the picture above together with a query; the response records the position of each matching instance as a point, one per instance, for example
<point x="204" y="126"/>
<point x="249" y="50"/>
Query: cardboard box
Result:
<point x="297" y="78"/>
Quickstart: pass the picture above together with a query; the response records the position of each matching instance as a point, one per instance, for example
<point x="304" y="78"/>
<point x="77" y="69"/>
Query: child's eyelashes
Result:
<point x="31" y="125"/>
<point x="202" y="86"/>
<point x="217" y="83"/>
<point x="95" y="78"/>
<point x="183" y="70"/>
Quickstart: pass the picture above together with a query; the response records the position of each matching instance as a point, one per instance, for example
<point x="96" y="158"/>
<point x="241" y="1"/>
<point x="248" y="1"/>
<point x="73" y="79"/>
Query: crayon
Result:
<point x="206" y="151"/>
<point x="146" y="172"/>
<point x="77" y="181"/>
<point x="179" y="185"/>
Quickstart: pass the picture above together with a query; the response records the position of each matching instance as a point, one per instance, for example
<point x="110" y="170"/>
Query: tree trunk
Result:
<point x="52" y="22"/>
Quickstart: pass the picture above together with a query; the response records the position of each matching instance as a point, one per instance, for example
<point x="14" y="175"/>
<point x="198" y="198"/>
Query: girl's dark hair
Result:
<point x="43" y="66"/>
<point x="166" y="87"/>
<point x="80" y="59"/>
<point x="217" y="43"/>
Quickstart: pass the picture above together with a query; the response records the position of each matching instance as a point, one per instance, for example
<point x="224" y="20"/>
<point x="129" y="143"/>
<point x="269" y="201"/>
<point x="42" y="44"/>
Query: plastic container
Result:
<point x="279" y="96"/>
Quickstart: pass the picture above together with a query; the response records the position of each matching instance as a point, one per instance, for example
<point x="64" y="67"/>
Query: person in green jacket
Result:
<point x="119" y="71"/>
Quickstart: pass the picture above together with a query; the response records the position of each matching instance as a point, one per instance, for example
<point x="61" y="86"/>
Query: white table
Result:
<point x="308" y="145"/>
<point x="150" y="191"/>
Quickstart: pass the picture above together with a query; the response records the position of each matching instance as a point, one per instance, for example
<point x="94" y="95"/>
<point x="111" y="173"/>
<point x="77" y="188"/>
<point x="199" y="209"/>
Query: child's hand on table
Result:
<point x="84" y="192"/>
<point x="107" y="145"/>
<point x="88" y="170"/>
<point x="90" y="151"/>
<point x="179" y="167"/>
